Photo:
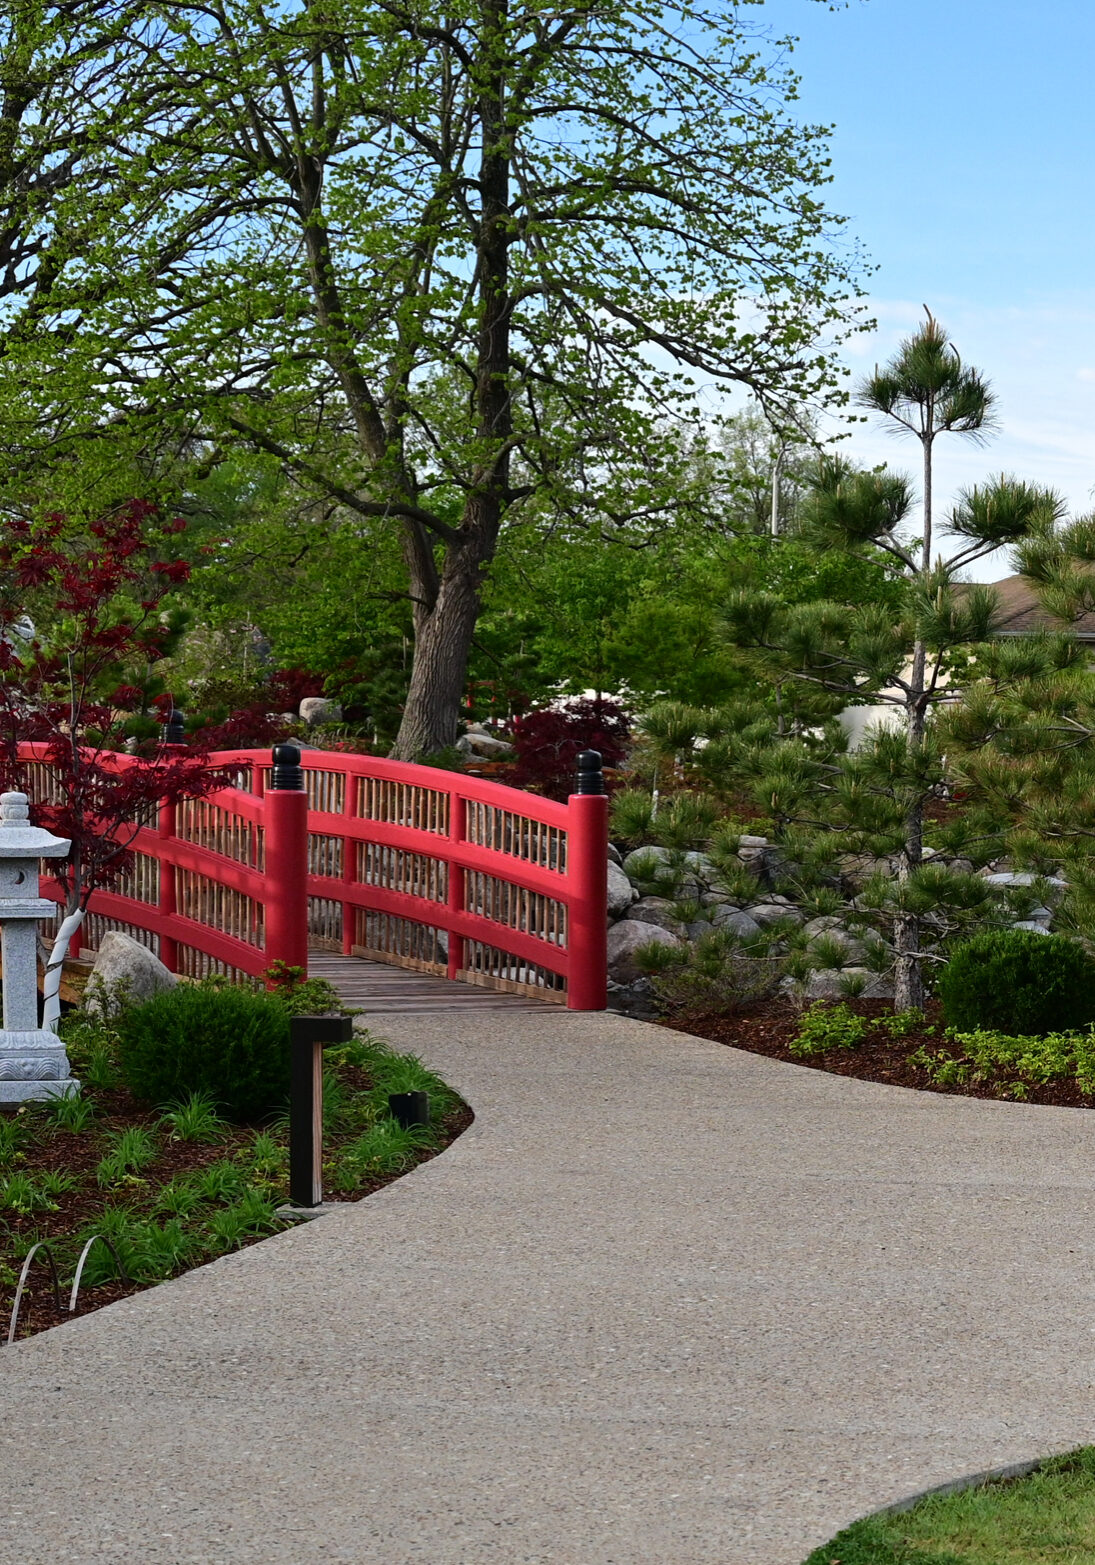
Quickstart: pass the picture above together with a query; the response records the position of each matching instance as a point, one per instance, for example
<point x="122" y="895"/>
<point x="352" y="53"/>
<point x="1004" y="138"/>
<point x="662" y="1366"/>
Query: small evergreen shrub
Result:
<point x="1018" y="982"/>
<point x="231" y="1045"/>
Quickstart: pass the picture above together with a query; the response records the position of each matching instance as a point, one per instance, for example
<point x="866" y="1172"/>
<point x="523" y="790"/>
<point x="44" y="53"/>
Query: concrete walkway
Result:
<point x="665" y="1303"/>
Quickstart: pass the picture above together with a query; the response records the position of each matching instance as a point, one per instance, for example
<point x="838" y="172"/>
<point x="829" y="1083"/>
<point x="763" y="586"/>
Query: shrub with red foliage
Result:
<point x="103" y="587"/>
<point x="548" y="742"/>
<point x="261" y="721"/>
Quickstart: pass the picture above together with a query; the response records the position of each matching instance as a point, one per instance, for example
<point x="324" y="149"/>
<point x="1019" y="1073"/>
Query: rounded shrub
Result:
<point x="231" y="1044"/>
<point x="1020" y="982"/>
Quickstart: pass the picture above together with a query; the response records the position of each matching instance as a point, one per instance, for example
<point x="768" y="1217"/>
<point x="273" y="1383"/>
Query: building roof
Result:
<point x="1020" y="611"/>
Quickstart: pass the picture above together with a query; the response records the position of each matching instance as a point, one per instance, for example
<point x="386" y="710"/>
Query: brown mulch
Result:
<point x="769" y="1027"/>
<point x="77" y="1154"/>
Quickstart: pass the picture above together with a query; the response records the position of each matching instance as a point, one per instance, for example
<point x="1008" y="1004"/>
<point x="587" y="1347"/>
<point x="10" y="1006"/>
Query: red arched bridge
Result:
<point x="409" y="865"/>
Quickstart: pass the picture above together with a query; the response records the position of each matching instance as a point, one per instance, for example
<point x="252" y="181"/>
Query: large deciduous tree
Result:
<point x="449" y="266"/>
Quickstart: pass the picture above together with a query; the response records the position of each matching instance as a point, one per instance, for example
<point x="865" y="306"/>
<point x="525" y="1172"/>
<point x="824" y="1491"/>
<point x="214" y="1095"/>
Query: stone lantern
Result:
<point x="33" y="1062"/>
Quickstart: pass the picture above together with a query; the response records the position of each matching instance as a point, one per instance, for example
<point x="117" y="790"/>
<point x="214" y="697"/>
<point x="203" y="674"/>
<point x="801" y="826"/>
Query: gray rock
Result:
<point x="318" y="709"/>
<point x="702" y="868"/>
<point x="614" y="854"/>
<point x="854" y="946"/>
<point x="624" y="939"/>
<point x="123" y="960"/>
<point x="635" y="999"/>
<point x="485" y="747"/>
<point x="654" y="862"/>
<point x="621" y="893"/>
<point x="697" y="929"/>
<point x="772" y="912"/>
<point x="1032" y="925"/>
<point x="826" y="984"/>
<point x="654" y="910"/>
<point x="752" y="842"/>
<point x="1020" y="878"/>
<point x="641" y="856"/>
<point x="737" y="922"/>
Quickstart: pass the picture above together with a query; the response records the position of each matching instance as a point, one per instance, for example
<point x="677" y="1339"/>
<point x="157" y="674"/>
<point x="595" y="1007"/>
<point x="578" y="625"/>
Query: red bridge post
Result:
<point x="587" y="860"/>
<point x="458" y="828"/>
<point x="285" y="815"/>
<point x="173" y="742"/>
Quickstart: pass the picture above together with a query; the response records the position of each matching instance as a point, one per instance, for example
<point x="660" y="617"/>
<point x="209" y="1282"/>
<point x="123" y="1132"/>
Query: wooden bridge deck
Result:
<point x="381" y="990"/>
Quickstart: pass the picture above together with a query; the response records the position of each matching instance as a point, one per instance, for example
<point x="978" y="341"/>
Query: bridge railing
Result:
<point x="404" y="864"/>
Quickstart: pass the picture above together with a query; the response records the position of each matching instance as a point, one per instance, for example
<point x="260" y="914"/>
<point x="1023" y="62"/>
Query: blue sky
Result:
<point x="964" y="156"/>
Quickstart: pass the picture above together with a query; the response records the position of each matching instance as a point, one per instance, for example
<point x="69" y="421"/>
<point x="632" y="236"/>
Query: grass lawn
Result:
<point x="1047" y="1517"/>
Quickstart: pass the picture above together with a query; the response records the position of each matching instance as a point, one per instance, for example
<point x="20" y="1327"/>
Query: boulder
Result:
<point x="621" y="893"/>
<point x="654" y="910"/>
<point x="614" y="854"/>
<point x="485" y="747"/>
<point x="123" y="960"/>
<point x="624" y="939"/>
<point x="1009" y="878"/>
<point x="827" y="984"/>
<point x="318" y="709"/>
<point x="1031" y="924"/>
<point x="854" y="946"/>
<point x="641" y="856"/>
<point x="635" y="999"/>
<point x="702" y="868"/>
<point x="658" y="859"/>
<point x="737" y="922"/>
<point x="772" y="912"/>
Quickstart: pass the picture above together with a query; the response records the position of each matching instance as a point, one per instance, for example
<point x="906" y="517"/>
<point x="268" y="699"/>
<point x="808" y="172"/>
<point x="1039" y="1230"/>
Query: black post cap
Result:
<point x="591" y="779"/>
<point x="172" y="729"/>
<point x="287" y="775"/>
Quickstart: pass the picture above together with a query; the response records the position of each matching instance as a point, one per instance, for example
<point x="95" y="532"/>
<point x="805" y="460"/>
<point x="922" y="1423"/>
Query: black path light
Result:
<point x="409" y="1108"/>
<point x="308" y="1036"/>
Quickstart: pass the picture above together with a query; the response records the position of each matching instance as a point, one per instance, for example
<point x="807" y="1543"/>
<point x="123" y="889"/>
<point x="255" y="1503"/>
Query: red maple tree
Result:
<point x="99" y="591"/>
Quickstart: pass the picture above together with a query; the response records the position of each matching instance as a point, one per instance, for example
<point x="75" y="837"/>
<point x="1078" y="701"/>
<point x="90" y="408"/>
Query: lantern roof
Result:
<point x="19" y="839"/>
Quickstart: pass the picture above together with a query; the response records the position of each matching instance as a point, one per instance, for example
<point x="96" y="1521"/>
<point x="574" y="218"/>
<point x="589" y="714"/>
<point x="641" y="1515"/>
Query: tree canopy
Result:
<point x="444" y="269"/>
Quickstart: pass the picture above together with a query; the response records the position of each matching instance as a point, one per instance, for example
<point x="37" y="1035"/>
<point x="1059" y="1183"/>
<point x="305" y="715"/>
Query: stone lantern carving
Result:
<point x="33" y="1062"/>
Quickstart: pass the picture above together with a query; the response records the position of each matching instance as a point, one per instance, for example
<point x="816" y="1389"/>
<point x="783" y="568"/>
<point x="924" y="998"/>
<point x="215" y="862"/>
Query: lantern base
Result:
<point x="33" y="1065"/>
<point x="13" y="1092"/>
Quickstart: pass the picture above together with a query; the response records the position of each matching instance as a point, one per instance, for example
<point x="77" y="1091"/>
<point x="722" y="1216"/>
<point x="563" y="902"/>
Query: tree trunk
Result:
<point x="446" y="611"/>
<point x="908" y="974"/>
<point x="51" y="983"/>
<point x="442" y="643"/>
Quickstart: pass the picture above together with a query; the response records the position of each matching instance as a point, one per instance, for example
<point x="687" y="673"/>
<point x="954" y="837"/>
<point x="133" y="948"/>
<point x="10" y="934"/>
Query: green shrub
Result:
<point x="231" y="1045"/>
<point x="1018" y="982"/>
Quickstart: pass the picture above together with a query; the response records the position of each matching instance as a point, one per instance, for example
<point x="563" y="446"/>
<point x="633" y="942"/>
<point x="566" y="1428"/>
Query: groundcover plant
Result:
<point x="173" y="1185"/>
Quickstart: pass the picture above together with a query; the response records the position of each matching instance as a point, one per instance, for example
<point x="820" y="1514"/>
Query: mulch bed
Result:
<point x="77" y="1154"/>
<point x="769" y="1027"/>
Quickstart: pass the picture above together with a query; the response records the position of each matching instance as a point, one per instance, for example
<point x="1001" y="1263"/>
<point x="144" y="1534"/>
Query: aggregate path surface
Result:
<point x="665" y="1302"/>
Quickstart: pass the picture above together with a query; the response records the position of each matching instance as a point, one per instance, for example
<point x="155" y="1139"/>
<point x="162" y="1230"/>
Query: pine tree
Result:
<point x="875" y="799"/>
